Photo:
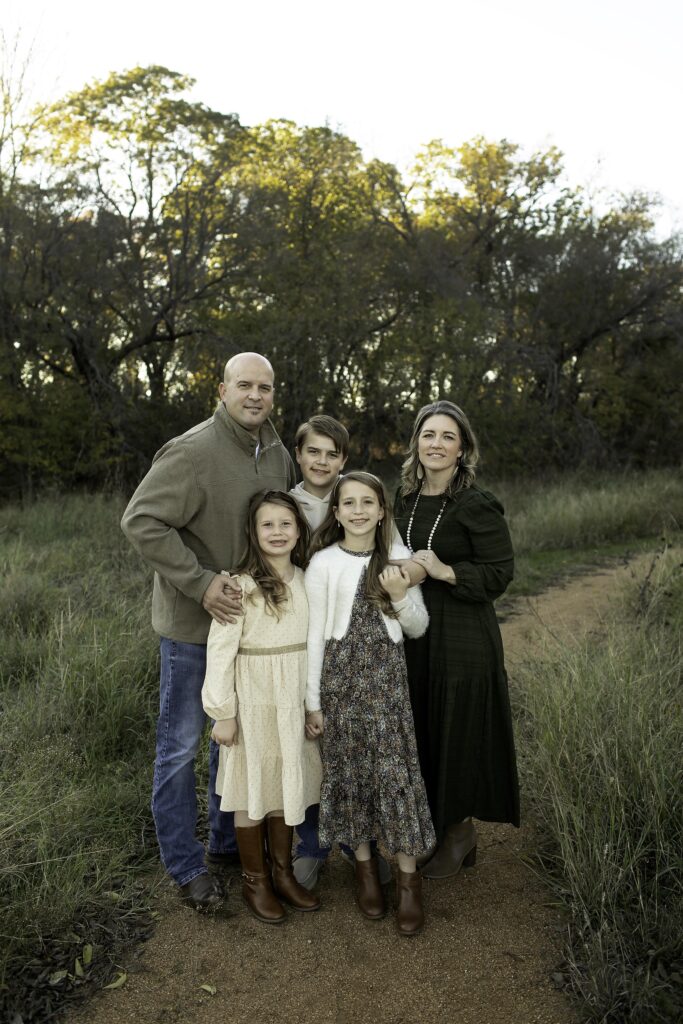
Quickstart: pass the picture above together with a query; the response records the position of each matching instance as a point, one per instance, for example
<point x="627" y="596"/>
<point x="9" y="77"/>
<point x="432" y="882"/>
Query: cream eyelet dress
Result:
<point x="256" y="670"/>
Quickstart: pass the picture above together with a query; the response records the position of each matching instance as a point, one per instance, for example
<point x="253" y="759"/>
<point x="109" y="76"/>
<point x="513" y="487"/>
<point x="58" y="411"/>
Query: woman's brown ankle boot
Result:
<point x="285" y="884"/>
<point x="457" y="849"/>
<point x="410" y="917"/>
<point x="369" y="895"/>
<point x="257" y="888"/>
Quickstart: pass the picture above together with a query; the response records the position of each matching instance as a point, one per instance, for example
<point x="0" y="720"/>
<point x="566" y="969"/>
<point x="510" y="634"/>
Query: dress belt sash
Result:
<point x="290" y="648"/>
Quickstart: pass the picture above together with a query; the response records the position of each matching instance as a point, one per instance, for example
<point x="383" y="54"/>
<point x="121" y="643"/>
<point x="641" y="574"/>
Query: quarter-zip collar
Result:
<point x="254" y="446"/>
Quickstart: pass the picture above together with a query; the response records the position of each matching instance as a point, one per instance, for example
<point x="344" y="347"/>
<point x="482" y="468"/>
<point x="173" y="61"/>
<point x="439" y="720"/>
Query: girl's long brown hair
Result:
<point x="330" y="531"/>
<point x="269" y="583"/>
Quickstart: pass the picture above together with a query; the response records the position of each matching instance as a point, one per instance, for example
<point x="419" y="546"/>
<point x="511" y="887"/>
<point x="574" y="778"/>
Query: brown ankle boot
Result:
<point x="285" y="884"/>
<point x="369" y="895"/>
<point x="257" y="888"/>
<point x="409" y="913"/>
<point x="457" y="849"/>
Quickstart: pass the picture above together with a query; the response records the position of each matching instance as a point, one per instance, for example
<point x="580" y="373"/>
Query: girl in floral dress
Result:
<point x="357" y="694"/>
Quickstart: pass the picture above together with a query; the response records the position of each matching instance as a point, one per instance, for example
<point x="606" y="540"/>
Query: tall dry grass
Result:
<point x="77" y="701"/>
<point x="579" y="512"/>
<point x="600" y="741"/>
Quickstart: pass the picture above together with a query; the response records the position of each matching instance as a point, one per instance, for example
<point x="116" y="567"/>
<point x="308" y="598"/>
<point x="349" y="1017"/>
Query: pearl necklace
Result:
<point x="433" y="529"/>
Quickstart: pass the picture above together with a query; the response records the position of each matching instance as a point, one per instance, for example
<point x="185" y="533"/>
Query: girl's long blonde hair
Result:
<point x="330" y="531"/>
<point x="269" y="583"/>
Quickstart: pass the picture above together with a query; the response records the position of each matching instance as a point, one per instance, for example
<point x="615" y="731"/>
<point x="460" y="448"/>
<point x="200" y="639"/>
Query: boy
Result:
<point x="322" y="448"/>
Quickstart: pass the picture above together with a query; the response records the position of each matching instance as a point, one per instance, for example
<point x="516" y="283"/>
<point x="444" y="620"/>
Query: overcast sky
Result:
<point x="602" y="80"/>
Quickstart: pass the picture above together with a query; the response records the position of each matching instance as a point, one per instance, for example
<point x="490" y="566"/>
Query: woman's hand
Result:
<point x="417" y="573"/>
<point x="224" y="732"/>
<point x="315" y="725"/>
<point x="395" y="580"/>
<point x="433" y="566"/>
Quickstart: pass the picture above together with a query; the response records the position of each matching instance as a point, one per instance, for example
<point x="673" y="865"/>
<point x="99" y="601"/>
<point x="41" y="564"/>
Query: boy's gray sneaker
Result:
<point x="306" y="871"/>
<point x="383" y="866"/>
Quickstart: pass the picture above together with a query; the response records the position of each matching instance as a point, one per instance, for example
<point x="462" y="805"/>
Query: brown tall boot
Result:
<point x="369" y="895"/>
<point x="257" y="888"/>
<point x="285" y="884"/>
<point x="457" y="849"/>
<point x="409" y="913"/>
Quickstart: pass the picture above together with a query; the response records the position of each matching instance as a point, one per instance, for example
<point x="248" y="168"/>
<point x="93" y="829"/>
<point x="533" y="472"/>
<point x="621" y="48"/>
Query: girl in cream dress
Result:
<point x="254" y="689"/>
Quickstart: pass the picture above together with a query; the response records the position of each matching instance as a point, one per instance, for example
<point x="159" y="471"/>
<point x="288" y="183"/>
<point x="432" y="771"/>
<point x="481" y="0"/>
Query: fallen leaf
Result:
<point x="211" y="989"/>
<point x="118" y="981"/>
<point x="87" y="954"/>
<point x="55" y="978"/>
<point x="78" y="969"/>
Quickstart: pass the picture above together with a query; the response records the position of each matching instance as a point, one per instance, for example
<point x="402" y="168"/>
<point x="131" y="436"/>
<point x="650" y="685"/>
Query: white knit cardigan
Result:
<point x="331" y="582"/>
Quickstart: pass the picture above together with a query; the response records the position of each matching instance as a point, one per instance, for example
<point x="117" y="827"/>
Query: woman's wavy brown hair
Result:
<point x="254" y="563"/>
<point x="465" y="472"/>
<point x="330" y="531"/>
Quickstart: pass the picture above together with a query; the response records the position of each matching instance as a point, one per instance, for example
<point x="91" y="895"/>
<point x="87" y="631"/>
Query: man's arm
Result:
<point x="166" y="500"/>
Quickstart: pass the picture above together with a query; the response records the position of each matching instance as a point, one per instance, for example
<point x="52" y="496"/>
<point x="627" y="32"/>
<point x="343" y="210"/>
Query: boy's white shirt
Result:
<point x="314" y="509"/>
<point x="331" y="582"/>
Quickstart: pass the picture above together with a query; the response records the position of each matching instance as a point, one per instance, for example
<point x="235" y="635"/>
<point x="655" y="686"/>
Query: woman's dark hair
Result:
<point x="254" y="563"/>
<point x="412" y="473"/>
<point x="330" y="531"/>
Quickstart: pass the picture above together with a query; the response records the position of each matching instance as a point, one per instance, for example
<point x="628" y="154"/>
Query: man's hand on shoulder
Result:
<point x="223" y="599"/>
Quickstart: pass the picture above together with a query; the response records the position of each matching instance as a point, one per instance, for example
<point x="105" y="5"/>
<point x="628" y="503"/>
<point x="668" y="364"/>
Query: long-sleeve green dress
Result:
<point x="456" y="672"/>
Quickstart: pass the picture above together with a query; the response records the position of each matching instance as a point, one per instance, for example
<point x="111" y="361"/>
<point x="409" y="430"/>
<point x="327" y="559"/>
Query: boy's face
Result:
<point x="321" y="463"/>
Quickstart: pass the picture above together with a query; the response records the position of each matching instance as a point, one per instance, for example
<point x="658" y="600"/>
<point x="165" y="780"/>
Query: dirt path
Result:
<point x="486" y="956"/>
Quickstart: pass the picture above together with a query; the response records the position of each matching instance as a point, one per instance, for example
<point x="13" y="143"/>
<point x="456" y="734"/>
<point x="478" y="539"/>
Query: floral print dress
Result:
<point x="372" y="787"/>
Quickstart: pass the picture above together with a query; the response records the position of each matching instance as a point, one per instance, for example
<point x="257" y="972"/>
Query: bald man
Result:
<point x="186" y="519"/>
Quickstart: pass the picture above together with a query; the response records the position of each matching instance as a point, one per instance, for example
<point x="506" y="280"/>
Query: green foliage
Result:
<point x="601" y="725"/>
<point x="163" y="236"/>
<point x="78" y="700"/>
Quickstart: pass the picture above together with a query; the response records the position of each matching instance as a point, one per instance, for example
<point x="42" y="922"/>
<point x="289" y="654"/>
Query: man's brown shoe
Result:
<point x="203" y="892"/>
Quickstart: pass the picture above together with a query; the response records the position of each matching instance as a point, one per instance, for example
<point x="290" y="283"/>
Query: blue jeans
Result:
<point x="174" y="799"/>
<point x="307" y="831"/>
<point x="308" y="845"/>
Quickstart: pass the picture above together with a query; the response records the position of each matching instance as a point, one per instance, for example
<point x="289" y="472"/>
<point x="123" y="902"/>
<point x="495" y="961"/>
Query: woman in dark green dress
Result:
<point x="456" y="672"/>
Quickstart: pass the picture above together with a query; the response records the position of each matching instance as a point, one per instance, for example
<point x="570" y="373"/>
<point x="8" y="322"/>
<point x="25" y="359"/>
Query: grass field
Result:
<point x="600" y="731"/>
<point x="78" y="693"/>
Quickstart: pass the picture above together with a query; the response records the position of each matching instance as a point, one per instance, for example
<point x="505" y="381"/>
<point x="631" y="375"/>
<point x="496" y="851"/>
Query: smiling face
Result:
<point x="358" y="512"/>
<point x="247" y="391"/>
<point x="439" y="445"/>
<point x="276" y="530"/>
<point x="321" y="463"/>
